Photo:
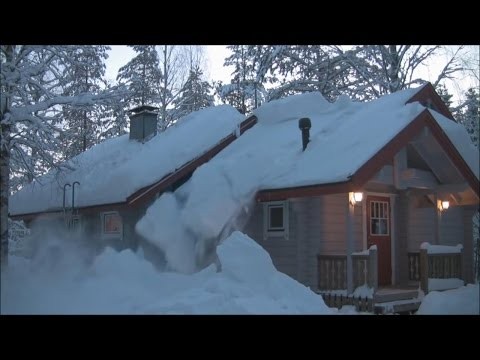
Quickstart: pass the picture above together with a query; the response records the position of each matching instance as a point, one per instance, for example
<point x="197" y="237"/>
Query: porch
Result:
<point x="432" y="267"/>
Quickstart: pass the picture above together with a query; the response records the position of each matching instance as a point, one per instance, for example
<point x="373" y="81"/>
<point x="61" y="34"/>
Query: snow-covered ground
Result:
<point x="461" y="301"/>
<point x="57" y="282"/>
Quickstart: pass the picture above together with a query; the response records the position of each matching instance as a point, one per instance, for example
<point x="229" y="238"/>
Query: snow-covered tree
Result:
<point x="176" y="62"/>
<point x="385" y="69"/>
<point x="445" y="96"/>
<point x="171" y="63"/>
<point x="84" y="74"/>
<point x="143" y="76"/>
<point x="469" y="114"/>
<point x="244" y="92"/>
<point x="31" y="100"/>
<point x="195" y="94"/>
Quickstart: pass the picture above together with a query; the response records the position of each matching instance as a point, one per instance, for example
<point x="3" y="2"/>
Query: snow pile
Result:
<point x="363" y="291"/>
<point x="111" y="171"/>
<point x="444" y="284"/>
<point x="124" y="283"/>
<point x="462" y="301"/>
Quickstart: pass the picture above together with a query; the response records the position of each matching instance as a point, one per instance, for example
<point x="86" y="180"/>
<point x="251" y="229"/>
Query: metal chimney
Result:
<point x="305" y="124"/>
<point x="143" y="123"/>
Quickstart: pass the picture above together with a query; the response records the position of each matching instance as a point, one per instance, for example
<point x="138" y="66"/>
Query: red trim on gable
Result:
<point x="428" y="93"/>
<point x="453" y="154"/>
<point x="386" y="154"/>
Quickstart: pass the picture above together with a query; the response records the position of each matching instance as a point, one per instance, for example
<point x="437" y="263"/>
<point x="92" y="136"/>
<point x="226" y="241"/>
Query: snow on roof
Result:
<point x="114" y="169"/>
<point x="461" y="140"/>
<point x="344" y="135"/>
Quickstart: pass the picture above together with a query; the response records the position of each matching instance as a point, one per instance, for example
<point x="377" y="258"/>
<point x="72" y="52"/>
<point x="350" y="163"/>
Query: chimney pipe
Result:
<point x="305" y="124"/>
<point x="143" y="123"/>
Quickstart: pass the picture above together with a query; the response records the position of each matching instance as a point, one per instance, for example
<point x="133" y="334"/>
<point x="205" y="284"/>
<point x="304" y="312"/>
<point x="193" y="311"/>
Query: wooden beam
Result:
<point x="416" y="178"/>
<point x="399" y="166"/>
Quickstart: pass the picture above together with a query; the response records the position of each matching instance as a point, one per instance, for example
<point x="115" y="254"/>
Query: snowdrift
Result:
<point x="125" y="283"/>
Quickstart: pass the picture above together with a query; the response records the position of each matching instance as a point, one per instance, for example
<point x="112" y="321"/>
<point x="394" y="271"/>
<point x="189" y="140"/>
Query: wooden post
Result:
<point x="373" y="269"/>
<point x="350" y="235"/>
<point x="437" y="221"/>
<point x="424" y="270"/>
<point x="462" y="270"/>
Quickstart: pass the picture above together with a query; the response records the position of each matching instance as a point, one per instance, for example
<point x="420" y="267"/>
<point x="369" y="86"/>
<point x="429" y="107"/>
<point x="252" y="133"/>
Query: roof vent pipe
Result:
<point x="305" y="124"/>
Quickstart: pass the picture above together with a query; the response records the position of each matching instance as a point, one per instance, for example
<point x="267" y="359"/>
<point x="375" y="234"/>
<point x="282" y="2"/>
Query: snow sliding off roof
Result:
<point x="109" y="172"/>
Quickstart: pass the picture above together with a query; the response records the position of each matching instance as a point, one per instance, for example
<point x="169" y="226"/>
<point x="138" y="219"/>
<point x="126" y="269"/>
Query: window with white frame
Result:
<point x="111" y="223"/>
<point x="275" y="219"/>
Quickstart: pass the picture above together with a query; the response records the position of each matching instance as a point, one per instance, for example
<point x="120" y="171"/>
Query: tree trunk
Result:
<point x="394" y="63"/>
<point x="4" y="192"/>
<point x="165" y="85"/>
<point x="5" y="128"/>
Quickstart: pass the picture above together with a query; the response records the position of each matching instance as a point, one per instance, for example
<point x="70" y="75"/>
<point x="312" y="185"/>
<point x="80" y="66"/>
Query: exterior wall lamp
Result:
<point x="355" y="197"/>
<point x="443" y="205"/>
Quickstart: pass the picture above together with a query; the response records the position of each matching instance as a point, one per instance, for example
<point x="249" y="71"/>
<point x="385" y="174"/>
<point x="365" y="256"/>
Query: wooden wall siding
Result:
<point x="282" y="251"/>
<point x="401" y="238"/>
<point x="468" y="250"/>
<point x="301" y="217"/>
<point x="254" y="225"/>
<point x="384" y="176"/>
<point x="421" y="225"/>
<point x="451" y="226"/>
<point x="328" y="231"/>
<point x="317" y="225"/>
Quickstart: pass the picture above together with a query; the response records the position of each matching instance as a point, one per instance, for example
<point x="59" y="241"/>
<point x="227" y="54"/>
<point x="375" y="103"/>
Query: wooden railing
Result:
<point x="414" y="266"/>
<point x="332" y="271"/>
<point x="439" y="266"/>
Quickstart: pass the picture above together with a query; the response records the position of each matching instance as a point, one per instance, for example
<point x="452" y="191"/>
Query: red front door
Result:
<point x="379" y="233"/>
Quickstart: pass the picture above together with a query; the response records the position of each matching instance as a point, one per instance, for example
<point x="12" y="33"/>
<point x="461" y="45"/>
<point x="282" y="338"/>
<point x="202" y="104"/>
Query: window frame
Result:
<point x="268" y="231"/>
<point x="106" y="234"/>
<point x="386" y="211"/>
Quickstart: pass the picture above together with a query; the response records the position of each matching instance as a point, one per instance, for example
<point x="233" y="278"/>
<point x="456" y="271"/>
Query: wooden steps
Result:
<point x="394" y="300"/>
<point x="397" y="306"/>
<point x="392" y="294"/>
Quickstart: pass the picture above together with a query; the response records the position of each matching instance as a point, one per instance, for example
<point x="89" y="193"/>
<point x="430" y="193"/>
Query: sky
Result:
<point x="216" y="54"/>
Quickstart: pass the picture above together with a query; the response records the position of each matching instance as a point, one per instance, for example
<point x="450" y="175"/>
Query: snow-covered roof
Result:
<point x="344" y="135"/>
<point x="114" y="169"/>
